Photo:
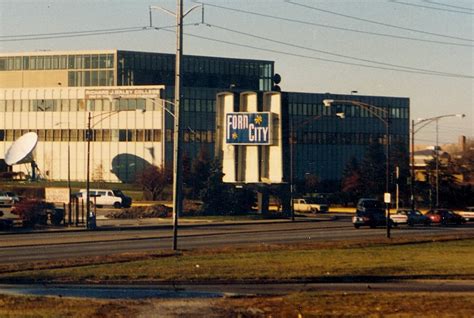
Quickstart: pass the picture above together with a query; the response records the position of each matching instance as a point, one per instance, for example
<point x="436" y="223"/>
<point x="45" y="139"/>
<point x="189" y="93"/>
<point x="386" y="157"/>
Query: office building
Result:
<point x="50" y="93"/>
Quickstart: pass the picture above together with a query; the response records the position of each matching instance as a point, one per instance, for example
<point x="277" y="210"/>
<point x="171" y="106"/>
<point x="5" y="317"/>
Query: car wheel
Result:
<point x="372" y="226"/>
<point x="315" y="211"/>
<point x="356" y="226"/>
<point x="117" y="205"/>
<point x="411" y="223"/>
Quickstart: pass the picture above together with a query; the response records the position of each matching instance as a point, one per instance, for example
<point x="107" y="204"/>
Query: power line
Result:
<point x="427" y="7"/>
<point x="337" y="28"/>
<point x="332" y="53"/>
<point x="72" y="32"/>
<point x="316" y="58"/>
<point x="448" y="5"/>
<point x="47" y="37"/>
<point x="377" y="22"/>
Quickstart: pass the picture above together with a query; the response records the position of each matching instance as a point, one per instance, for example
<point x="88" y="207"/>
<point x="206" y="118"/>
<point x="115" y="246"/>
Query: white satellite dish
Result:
<point x="22" y="149"/>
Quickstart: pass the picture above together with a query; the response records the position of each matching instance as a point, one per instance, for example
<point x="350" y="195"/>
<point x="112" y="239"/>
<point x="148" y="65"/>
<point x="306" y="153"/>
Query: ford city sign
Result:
<point x="248" y="128"/>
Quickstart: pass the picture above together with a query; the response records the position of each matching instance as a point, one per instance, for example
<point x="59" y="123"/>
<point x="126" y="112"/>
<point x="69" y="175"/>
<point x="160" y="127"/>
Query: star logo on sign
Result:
<point x="258" y="119"/>
<point x="235" y="136"/>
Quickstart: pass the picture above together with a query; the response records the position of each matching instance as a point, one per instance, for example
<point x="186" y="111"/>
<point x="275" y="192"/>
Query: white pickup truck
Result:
<point x="312" y="205"/>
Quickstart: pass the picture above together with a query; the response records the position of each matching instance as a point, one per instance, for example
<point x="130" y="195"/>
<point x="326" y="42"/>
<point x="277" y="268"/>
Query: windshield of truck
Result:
<point x="118" y="193"/>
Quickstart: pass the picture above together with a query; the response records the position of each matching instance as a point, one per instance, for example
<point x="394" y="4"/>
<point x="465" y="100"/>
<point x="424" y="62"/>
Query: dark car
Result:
<point x="445" y="217"/>
<point x="369" y="212"/>
<point x="371" y="218"/>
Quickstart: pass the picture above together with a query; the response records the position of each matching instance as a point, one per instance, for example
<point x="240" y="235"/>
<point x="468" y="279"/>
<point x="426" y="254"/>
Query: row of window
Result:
<point x="104" y="135"/>
<point x="349" y="111"/>
<point x="194" y="64"/>
<point x="57" y="62"/>
<point x="327" y="138"/>
<point x="81" y="134"/>
<point x="91" y="78"/>
<point x="72" y="105"/>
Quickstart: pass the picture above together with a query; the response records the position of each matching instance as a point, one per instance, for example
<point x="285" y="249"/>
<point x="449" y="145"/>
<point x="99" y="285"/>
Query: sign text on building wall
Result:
<point x="248" y="128"/>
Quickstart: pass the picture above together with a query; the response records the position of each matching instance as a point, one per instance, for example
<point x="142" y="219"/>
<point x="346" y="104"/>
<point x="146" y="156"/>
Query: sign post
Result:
<point x="387" y="200"/>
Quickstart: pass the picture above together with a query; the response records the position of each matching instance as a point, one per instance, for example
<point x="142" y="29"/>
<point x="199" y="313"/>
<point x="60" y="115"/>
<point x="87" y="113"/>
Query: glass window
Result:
<point x="47" y="62"/>
<point x="39" y="62"/>
<point x="26" y="63"/>
<point x="3" y="63"/>
<point x="71" y="78"/>
<point x="109" y="62"/>
<point x="73" y="133"/>
<point x="157" y="135"/>
<point x="87" y="78"/>
<point x="17" y="63"/>
<point x="94" y="61"/>
<point x="63" y="62"/>
<point x="122" y="135"/>
<point x="79" y="62"/>
<point x="110" y="78"/>
<point x="71" y="61"/>
<point x="102" y="78"/>
<point x="102" y="60"/>
<point x="87" y="61"/>
<point x="94" y="78"/>
<point x="54" y="62"/>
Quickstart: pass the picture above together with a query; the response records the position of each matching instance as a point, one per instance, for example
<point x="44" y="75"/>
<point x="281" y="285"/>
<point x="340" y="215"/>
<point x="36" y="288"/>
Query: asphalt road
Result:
<point x="29" y="247"/>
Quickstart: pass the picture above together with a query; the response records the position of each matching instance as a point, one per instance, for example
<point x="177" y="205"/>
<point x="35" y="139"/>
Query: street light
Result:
<point x="425" y="122"/>
<point x="292" y="141"/>
<point x="90" y="219"/>
<point x="377" y="112"/>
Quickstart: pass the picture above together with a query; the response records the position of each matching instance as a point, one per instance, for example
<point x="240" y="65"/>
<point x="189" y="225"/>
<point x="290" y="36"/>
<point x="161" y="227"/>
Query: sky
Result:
<point x="421" y="49"/>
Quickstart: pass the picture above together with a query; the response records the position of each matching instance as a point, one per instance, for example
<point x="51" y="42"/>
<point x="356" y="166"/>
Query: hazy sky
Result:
<point x="318" y="46"/>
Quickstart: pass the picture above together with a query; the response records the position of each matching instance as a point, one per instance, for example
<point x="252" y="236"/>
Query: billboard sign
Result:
<point x="243" y="128"/>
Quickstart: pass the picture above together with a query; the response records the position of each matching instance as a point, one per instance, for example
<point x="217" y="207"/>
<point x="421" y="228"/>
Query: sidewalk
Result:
<point x="106" y="224"/>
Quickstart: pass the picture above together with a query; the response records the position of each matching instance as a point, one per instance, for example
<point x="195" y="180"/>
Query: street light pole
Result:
<point x="425" y="122"/>
<point x="375" y="110"/>
<point x="88" y="202"/>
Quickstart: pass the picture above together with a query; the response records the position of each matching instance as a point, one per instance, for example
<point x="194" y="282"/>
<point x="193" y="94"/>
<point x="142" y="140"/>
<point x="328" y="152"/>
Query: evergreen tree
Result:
<point x="200" y="172"/>
<point x="215" y="195"/>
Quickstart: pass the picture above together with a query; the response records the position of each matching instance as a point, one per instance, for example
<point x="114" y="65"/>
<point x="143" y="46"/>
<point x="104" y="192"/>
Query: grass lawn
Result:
<point x="311" y="262"/>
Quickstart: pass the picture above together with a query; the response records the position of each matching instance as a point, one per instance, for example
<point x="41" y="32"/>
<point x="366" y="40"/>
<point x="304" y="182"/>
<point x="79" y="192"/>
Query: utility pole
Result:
<point x="177" y="175"/>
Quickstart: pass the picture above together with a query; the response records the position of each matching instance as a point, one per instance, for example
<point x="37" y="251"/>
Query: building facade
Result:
<point x="46" y="92"/>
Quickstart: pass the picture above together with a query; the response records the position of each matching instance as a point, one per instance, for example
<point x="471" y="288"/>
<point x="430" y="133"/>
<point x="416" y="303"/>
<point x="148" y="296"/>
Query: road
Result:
<point x="15" y="248"/>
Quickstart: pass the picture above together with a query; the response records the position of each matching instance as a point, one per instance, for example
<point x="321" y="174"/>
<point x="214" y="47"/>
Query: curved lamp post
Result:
<point x="425" y="122"/>
<point x="90" y="218"/>
<point x="383" y="116"/>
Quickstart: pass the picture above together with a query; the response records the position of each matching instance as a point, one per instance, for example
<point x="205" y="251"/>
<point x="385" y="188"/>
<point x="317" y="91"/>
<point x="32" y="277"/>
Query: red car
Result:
<point x="445" y="217"/>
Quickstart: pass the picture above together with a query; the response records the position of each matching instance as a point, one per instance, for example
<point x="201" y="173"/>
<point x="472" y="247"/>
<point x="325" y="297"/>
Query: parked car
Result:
<point x="445" y="217"/>
<point x="313" y="205"/>
<point x="33" y="211"/>
<point x="107" y="197"/>
<point x="371" y="218"/>
<point x="467" y="213"/>
<point x="369" y="212"/>
<point x="5" y="199"/>
<point x="410" y="217"/>
<point x="14" y="196"/>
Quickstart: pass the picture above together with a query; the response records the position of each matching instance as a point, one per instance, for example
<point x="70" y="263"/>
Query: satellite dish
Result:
<point x="22" y="149"/>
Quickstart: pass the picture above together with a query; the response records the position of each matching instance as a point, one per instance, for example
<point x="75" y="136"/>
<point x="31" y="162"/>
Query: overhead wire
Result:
<point x="427" y="7"/>
<point x="335" y="27"/>
<point x="294" y="45"/>
<point x="448" y="5"/>
<point x="377" y="22"/>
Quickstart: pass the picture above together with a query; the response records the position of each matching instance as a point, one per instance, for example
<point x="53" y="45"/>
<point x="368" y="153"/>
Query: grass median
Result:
<point x="301" y="262"/>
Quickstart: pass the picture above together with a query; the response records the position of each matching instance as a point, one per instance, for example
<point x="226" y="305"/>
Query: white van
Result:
<point x="107" y="197"/>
